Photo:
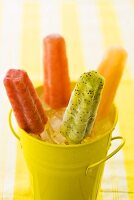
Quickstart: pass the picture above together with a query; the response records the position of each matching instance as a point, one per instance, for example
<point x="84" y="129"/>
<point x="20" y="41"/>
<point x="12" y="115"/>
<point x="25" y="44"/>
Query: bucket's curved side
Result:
<point x="59" y="173"/>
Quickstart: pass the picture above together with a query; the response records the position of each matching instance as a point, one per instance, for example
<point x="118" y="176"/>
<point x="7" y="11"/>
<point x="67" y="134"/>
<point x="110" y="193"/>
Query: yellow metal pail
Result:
<point x="66" y="172"/>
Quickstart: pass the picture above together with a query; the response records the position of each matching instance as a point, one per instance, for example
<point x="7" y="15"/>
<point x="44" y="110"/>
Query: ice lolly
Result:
<point x="25" y="102"/>
<point x="111" y="68"/>
<point x="81" y="111"/>
<point x="56" y="76"/>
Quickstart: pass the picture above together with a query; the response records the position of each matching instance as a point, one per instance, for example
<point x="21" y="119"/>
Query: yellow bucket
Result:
<point x="66" y="172"/>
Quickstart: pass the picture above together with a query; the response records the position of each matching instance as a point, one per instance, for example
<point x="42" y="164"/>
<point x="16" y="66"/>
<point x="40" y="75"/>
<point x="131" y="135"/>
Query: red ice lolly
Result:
<point x="56" y="76"/>
<point x="25" y="102"/>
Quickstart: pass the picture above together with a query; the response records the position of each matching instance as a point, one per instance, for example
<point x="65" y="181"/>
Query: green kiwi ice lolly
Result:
<point x="80" y="114"/>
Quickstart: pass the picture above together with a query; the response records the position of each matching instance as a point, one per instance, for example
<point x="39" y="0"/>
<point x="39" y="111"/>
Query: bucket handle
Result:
<point x="110" y="155"/>
<point x="11" y="126"/>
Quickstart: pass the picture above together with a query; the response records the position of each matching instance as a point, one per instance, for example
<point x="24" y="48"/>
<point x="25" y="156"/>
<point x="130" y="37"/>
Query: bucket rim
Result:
<point x="72" y="145"/>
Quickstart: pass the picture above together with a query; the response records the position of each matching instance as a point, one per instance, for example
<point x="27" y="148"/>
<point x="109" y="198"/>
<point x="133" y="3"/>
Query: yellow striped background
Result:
<point x="89" y="28"/>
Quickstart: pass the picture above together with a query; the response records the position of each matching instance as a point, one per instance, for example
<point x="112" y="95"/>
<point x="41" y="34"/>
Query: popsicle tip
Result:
<point x="14" y="73"/>
<point x="53" y="37"/>
<point x="118" y="49"/>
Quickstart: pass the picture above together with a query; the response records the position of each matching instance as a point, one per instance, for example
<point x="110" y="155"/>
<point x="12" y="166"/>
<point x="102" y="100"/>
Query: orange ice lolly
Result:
<point x="57" y="89"/>
<point x="111" y="68"/>
<point x="26" y="104"/>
